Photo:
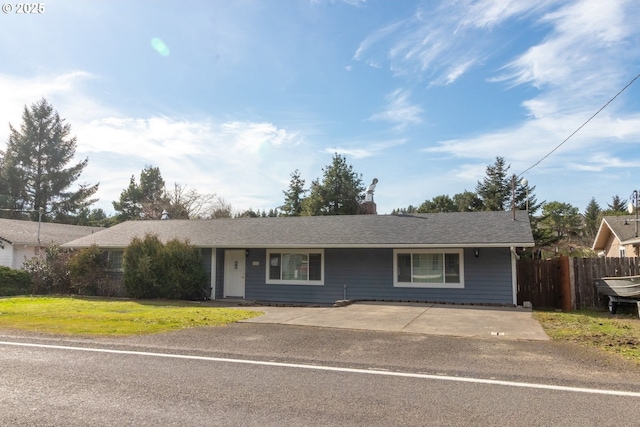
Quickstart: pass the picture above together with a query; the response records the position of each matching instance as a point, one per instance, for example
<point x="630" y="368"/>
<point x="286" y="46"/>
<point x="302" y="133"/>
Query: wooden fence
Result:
<point x="567" y="283"/>
<point x="539" y="282"/>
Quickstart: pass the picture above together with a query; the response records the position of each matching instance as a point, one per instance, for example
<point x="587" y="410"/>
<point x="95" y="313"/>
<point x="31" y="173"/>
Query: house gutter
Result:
<point x="249" y="245"/>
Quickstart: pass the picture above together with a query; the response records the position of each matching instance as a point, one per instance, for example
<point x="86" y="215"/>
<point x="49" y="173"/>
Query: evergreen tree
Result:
<point x="340" y="192"/>
<point x="441" y="203"/>
<point x="94" y="218"/>
<point x="592" y="217"/>
<point x="146" y="200"/>
<point x="563" y="218"/>
<point x="294" y="196"/>
<point x="35" y="167"/>
<point x="617" y="206"/>
<point x="496" y="188"/>
<point x="468" y="201"/>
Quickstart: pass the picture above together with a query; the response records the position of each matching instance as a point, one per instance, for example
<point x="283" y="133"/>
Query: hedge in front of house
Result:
<point x="156" y="270"/>
<point x="14" y="282"/>
<point x="90" y="274"/>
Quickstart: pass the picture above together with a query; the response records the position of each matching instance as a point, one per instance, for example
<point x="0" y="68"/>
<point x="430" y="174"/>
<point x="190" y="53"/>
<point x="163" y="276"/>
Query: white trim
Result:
<point x="514" y="276"/>
<point x="213" y="274"/>
<point x="459" y="285"/>
<point x="295" y="282"/>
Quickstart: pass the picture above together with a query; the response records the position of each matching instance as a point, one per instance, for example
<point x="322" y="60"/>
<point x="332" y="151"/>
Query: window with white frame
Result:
<point x="115" y="258"/>
<point x="623" y="251"/>
<point x="295" y="267"/>
<point x="428" y="268"/>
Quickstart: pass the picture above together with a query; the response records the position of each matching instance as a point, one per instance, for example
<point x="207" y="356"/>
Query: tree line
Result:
<point x="37" y="173"/>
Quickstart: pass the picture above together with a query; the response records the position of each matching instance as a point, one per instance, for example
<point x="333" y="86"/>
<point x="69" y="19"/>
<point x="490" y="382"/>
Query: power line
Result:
<point x="581" y="126"/>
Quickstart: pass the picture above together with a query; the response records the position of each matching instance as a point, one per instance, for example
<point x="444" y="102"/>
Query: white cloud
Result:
<point x="443" y="42"/>
<point x="245" y="162"/>
<point x="489" y="14"/>
<point x="579" y="62"/>
<point x="18" y="92"/>
<point x="599" y="162"/>
<point x="370" y="150"/>
<point x="576" y="68"/>
<point x="528" y="142"/>
<point x="399" y="110"/>
<point x="249" y="137"/>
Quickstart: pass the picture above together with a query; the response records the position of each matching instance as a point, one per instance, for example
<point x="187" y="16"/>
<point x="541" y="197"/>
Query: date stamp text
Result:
<point x="23" y="8"/>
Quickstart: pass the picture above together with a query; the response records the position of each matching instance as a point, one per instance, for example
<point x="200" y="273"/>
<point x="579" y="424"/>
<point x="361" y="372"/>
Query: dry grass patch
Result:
<point x="619" y="333"/>
<point x="105" y="317"/>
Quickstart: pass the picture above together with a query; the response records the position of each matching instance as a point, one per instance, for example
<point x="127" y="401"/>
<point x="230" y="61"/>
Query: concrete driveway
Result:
<point x="430" y="319"/>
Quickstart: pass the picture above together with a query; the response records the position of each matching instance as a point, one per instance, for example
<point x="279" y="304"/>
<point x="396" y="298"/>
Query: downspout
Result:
<point x="514" y="274"/>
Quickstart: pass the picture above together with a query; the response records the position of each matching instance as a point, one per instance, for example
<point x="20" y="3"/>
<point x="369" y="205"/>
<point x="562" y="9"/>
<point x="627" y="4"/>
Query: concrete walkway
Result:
<point x="431" y="319"/>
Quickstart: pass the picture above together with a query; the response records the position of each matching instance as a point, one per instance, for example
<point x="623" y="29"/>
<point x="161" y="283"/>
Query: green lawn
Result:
<point x="105" y="317"/>
<point x="618" y="334"/>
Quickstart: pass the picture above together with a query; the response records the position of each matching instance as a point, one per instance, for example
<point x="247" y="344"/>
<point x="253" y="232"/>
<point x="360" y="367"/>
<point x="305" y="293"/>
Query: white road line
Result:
<point x="335" y="369"/>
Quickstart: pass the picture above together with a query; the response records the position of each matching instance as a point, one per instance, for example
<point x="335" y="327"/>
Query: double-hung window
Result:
<point x="115" y="258"/>
<point x="427" y="268"/>
<point x="295" y="266"/>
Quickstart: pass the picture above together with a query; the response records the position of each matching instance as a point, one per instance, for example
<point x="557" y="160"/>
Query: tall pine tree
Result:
<point x="36" y="171"/>
<point x="146" y="200"/>
<point x="294" y="196"/>
<point x="495" y="190"/>
<point x="339" y="193"/>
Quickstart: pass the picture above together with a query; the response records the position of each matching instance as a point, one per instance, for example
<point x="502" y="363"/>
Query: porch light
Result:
<point x="476" y="252"/>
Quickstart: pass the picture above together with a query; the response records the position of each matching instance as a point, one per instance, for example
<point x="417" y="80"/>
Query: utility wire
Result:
<point x="581" y="126"/>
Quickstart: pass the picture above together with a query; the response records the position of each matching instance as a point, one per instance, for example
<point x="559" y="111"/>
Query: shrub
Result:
<point x="89" y="273"/>
<point x="154" y="270"/>
<point x="14" y="282"/>
<point x="49" y="274"/>
<point x="184" y="274"/>
<point x="143" y="269"/>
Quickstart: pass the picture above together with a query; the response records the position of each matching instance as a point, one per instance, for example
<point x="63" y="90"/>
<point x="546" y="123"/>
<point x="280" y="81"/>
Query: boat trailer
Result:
<point x="620" y="290"/>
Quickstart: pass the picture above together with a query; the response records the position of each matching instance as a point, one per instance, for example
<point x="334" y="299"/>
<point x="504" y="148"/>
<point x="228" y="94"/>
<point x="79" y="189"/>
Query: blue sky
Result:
<point x="230" y="97"/>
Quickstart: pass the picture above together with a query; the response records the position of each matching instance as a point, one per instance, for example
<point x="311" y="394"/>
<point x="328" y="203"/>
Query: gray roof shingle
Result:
<point x="622" y="226"/>
<point x="441" y="229"/>
<point x="26" y="232"/>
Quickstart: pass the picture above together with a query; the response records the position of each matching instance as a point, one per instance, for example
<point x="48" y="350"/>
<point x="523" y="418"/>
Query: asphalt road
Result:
<point x="215" y="382"/>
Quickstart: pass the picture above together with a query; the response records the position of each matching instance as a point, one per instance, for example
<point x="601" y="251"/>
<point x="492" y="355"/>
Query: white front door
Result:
<point x="234" y="264"/>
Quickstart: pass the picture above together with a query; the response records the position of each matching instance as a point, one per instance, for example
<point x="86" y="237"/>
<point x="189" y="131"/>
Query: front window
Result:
<point x="426" y="268"/>
<point x="115" y="260"/>
<point x="295" y="267"/>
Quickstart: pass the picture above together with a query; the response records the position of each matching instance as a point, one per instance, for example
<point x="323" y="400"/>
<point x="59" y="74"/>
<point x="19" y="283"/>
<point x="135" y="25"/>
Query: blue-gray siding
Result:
<point x="367" y="274"/>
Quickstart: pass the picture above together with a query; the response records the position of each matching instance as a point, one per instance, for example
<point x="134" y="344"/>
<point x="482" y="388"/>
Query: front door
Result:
<point x="234" y="264"/>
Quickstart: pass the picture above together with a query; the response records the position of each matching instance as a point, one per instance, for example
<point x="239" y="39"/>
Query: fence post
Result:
<point x="565" y="283"/>
<point x="572" y="283"/>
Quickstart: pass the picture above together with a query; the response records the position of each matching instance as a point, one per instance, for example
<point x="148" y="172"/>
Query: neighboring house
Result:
<point x="617" y="236"/>
<point x="21" y="240"/>
<point x="445" y="257"/>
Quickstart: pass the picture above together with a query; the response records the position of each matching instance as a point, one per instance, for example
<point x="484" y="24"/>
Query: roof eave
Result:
<point x="343" y="245"/>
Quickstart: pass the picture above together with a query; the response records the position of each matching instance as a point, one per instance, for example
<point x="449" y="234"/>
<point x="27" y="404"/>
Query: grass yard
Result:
<point x="105" y="317"/>
<point x="619" y="334"/>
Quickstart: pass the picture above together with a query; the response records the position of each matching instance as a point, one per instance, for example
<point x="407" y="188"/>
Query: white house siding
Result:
<point x="22" y="253"/>
<point x="6" y="255"/>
